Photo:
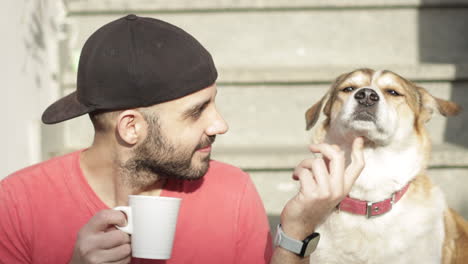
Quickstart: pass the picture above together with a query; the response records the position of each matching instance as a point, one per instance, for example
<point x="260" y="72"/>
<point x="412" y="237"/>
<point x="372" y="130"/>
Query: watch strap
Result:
<point x="287" y="242"/>
<point x="301" y="248"/>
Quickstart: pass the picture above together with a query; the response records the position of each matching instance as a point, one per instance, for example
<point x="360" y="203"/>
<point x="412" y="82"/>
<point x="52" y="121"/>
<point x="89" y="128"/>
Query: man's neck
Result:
<point x="100" y="166"/>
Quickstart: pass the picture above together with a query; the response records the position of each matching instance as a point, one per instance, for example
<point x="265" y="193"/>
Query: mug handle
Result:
<point x="127" y="210"/>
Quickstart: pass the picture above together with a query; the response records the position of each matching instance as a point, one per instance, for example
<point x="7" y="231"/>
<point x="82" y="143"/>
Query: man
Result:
<point x="149" y="88"/>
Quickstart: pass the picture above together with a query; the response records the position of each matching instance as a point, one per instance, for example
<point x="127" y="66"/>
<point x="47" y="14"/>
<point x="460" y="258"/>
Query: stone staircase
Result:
<point x="277" y="57"/>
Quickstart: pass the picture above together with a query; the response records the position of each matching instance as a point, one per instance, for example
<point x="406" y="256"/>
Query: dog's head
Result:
<point x="378" y="105"/>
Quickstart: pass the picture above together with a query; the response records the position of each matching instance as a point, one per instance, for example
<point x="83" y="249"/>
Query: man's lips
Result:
<point x="205" y="146"/>
<point x="205" y="149"/>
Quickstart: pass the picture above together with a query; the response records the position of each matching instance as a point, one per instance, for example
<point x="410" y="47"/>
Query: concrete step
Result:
<point x="314" y="35"/>
<point x="274" y="158"/>
<point x="324" y="74"/>
<point x="107" y="6"/>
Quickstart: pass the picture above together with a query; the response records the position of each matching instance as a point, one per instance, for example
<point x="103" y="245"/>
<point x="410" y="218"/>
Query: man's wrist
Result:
<point x="299" y="232"/>
<point x="300" y="247"/>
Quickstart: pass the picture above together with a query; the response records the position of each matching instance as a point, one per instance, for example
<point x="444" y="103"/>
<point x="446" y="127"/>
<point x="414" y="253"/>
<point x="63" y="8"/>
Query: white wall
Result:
<point x="28" y="76"/>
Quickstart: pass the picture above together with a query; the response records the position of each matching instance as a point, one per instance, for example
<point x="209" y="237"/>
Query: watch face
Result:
<point x="301" y="248"/>
<point x="312" y="242"/>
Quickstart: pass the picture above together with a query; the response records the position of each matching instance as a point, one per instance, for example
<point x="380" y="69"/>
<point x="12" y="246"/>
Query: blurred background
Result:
<point x="275" y="59"/>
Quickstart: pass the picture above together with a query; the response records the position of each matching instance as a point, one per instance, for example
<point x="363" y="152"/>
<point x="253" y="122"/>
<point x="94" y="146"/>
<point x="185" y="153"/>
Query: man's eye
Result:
<point x="348" y="89"/>
<point x="196" y="114"/>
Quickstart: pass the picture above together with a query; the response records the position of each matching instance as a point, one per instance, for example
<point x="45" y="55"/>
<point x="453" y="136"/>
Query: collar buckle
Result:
<point x="369" y="210"/>
<point x="393" y="201"/>
<point x="372" y="208"/>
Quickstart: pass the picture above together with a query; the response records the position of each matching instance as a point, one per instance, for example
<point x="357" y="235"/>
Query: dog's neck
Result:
<point x="388" y="168"/>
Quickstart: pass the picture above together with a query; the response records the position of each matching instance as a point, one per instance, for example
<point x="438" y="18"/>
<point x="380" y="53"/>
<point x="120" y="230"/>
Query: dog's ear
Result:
<point x="429" y="104"/>
<point x="313" y="113"/>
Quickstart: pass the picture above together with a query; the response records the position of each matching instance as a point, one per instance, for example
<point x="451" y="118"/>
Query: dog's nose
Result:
<point x="366" y="97"/>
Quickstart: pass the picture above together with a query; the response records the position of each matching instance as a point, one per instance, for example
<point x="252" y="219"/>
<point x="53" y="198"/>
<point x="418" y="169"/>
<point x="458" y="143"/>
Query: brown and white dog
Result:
<point x="393" y="214"/>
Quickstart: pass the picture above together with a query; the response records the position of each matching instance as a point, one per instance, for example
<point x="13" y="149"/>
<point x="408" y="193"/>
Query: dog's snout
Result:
<point x="366" y="97"/>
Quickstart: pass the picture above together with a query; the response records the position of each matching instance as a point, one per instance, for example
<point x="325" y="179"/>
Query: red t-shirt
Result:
<point x="42" y="208"/>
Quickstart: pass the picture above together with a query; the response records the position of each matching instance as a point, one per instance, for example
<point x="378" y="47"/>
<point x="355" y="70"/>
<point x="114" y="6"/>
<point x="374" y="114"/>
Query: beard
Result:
<point x="156" y="158"/>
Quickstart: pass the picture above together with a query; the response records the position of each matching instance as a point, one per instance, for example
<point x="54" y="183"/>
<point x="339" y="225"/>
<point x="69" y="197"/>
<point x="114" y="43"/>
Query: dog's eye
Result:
<point x="393" y="92"/>
<point x="348" y="89"/>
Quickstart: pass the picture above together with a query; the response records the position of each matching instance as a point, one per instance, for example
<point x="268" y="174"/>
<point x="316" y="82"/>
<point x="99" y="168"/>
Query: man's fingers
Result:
<point x="116" y="254"/>
<point x="332" y="153"/>
<point x="357" y="163"/>
<point x="126" y="260"/>
<point x="313" y="176"/>
<point x="306" y="179"/>
<point x="105" y="218"/>
<point x="305" y="164"/>
<point x="336" y="160"/>
<point x="113" y="239"/>
<point x="321" y="175"/>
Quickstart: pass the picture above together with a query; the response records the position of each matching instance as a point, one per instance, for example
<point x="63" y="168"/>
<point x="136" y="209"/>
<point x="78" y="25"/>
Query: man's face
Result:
<point x="179" y="138"/>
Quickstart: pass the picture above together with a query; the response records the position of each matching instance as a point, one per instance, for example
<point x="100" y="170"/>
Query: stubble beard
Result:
<point x="155" y="159"/>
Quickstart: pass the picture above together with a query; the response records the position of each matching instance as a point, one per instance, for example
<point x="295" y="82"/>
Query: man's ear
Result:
<point x="313" y="113"/>
<point x="429" y="104"/>
<point x="131" y="126"/>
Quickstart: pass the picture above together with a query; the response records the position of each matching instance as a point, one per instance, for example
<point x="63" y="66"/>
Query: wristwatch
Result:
<point x="301" y="248"/>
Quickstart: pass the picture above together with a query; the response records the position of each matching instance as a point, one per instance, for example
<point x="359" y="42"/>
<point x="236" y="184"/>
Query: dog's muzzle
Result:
<point x="367" y="100"/>
<point x="366" y="97"/>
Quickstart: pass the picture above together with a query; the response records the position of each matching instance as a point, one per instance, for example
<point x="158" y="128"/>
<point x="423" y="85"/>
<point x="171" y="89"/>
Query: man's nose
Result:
<point x="218" y="125"/>
<point x="366" y="97"/>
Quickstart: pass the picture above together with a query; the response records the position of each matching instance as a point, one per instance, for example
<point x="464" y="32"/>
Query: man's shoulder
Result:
<point x="43" y="169"/>
<point x="226" y="174"/>
<point x="225" y="168"/>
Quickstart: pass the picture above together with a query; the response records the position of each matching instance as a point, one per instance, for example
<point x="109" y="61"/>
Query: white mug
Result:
<point x="152" y="223"/>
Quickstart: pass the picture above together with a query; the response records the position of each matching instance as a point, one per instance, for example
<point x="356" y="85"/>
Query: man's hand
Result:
<point x="100" y="242"/>
<point x="324" y="183"/>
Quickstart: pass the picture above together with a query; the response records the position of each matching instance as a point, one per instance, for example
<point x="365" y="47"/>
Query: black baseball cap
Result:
<point x="135" y="62"/>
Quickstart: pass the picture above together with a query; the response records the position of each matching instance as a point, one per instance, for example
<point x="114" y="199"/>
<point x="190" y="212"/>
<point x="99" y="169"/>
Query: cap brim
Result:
<point x="65" y="108"/>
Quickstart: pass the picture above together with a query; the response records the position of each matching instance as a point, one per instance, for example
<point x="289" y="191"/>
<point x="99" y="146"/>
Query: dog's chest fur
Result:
<point x="412" y="232"/>
<point x="407" y="234"/>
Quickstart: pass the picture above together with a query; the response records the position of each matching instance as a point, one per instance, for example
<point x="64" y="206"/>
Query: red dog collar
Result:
<point x="370" y="209"/>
